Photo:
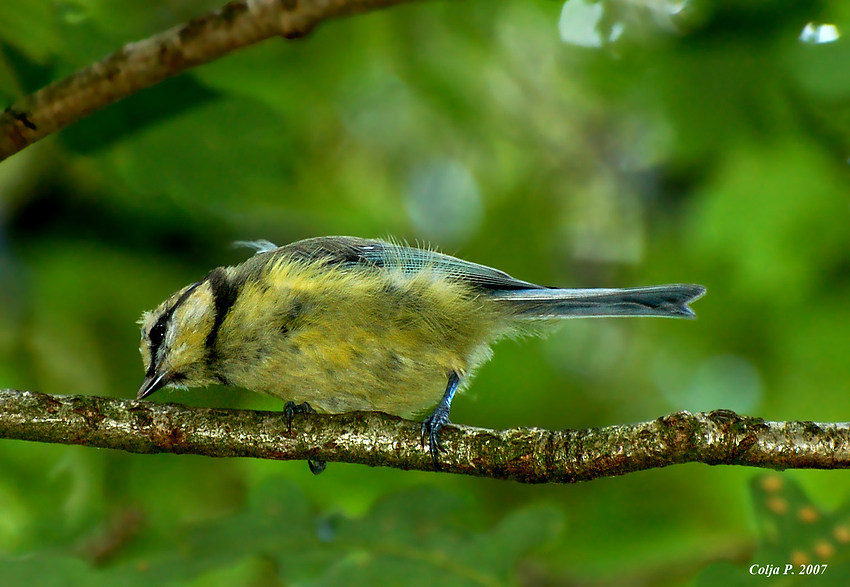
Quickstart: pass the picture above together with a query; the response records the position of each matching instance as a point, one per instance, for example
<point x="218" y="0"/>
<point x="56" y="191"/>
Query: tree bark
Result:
<point x="527" y="455"/>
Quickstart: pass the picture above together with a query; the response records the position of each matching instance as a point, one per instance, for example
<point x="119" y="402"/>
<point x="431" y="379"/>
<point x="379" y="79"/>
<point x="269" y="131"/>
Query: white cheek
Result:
<point x="146" y="357"/>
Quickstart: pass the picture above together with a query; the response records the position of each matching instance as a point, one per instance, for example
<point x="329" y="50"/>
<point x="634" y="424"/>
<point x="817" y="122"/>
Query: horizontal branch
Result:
<point x="529" y="455"/>
<point x="145" y="63"/>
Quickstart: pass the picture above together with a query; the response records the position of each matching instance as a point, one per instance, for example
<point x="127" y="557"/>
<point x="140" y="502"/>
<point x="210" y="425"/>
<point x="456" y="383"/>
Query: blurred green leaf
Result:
<point x="799" y="543"/>
<point x="31" y="27"/>
<point x="415" y="538"/>
<point x="771" y="210"/>
<point x="817" y="67"/>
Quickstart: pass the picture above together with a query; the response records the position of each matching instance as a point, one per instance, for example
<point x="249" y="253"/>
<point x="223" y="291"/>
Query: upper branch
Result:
<point x="145" y="63"/>
<point x="529" y="455"/>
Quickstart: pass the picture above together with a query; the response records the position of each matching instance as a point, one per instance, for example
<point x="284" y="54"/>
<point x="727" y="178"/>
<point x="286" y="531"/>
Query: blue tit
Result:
<point x="345" y="323"/>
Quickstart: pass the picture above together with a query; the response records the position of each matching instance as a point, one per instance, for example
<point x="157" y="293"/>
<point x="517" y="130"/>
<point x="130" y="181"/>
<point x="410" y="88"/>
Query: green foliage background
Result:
<point x="636" y="144"/>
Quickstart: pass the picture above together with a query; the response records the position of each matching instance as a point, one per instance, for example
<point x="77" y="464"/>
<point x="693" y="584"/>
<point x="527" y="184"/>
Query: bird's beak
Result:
<point x="151" y="384"/>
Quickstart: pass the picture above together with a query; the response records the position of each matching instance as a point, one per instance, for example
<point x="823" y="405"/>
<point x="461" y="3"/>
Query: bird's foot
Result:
<point x="431" y="427"/>
<point x="290" y="409"/>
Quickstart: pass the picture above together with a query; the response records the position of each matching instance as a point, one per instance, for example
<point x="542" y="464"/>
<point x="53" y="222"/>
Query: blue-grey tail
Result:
<point x="666" y="301"/>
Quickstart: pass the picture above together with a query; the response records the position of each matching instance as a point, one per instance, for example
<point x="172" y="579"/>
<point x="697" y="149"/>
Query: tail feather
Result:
<point x="667" y="301"/>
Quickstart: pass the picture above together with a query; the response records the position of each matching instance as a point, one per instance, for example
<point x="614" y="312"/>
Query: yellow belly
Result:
<point x="354" y="339"/>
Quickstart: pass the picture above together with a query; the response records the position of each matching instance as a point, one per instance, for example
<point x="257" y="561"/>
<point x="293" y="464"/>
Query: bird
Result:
<point x="339" y="324"/>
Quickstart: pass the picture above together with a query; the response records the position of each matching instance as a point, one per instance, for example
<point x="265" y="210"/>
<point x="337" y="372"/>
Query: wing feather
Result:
<point x="349" y="250"/>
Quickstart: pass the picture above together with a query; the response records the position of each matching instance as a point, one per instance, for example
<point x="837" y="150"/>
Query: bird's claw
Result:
<point x="316" y="467"/>
<point x="431" y="427"/>
<point x="290" y="409"/>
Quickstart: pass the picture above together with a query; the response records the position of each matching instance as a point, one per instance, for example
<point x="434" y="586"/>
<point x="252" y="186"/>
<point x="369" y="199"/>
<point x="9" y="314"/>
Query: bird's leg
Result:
<point x="432" y="425"/>
<point x="290" y="408"/>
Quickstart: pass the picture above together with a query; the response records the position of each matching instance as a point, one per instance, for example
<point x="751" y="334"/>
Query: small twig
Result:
<point x="529" y="455"/>
<point x="145" y="63"/>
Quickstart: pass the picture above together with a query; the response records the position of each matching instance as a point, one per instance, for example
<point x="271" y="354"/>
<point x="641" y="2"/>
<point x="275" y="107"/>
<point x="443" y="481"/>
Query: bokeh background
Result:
<point x="618" y="143"/>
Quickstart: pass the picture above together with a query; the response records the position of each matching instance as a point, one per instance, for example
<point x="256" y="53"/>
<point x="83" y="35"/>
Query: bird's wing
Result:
<point x="349" y="250"/>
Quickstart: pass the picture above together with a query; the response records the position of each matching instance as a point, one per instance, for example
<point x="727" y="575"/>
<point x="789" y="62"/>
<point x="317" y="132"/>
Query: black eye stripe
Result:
<point x="156" y="335"/>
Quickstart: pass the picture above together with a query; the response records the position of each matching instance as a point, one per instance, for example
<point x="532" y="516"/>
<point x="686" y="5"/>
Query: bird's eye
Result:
<point x="157" y="334"/>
